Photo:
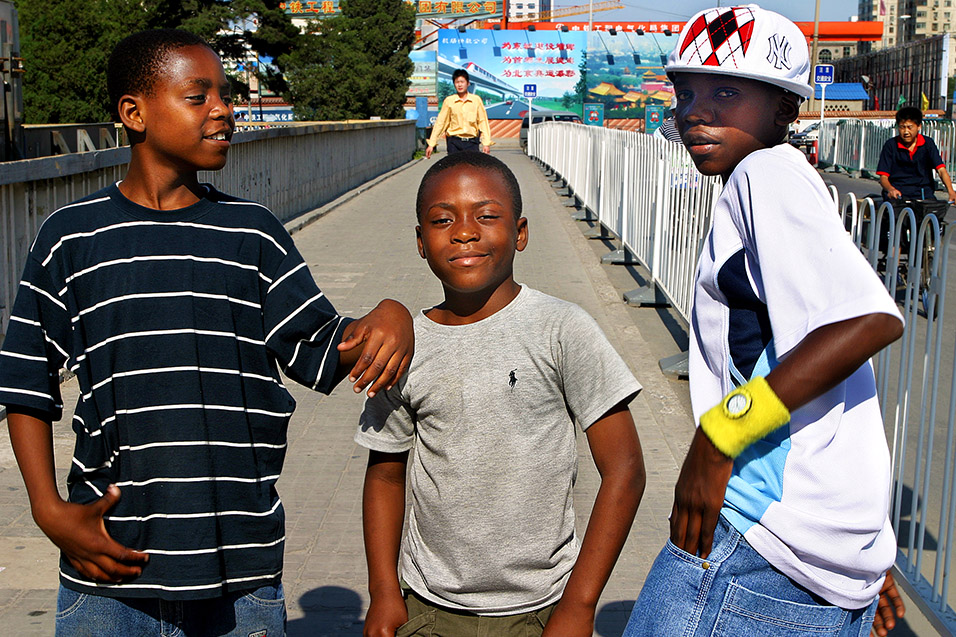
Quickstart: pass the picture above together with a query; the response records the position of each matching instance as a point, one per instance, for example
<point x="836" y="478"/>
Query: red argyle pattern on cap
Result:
<point x="717" y="37"/>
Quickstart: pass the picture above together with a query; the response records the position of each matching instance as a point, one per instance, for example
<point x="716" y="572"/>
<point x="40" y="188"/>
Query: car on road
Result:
<point x="544" y="116"/>
<point x="807" y="136"/>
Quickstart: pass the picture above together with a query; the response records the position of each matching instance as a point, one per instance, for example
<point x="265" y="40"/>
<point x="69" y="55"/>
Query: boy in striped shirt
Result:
<point x="175" y="305"/>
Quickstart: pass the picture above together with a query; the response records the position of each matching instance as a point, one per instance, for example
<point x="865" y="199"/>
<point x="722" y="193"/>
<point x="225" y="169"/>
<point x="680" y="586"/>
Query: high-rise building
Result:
<point x="911" y="20"/>
<point x="527" y="10"/>
<point x="908" y="20"/>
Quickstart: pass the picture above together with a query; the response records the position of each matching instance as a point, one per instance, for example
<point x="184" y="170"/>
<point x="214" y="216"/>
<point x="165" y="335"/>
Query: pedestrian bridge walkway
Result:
<point x="361" y="249"/>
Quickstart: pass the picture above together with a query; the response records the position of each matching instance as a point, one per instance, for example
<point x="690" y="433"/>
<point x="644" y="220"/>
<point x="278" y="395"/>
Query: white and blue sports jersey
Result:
<point x="812" y="497"/>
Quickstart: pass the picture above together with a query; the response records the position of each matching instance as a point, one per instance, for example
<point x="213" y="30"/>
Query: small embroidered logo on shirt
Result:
<point x="512" y="379"/>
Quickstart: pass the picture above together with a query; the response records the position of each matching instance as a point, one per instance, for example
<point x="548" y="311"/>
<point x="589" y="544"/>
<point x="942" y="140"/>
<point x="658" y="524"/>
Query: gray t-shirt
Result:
<point x="489" y="409"/>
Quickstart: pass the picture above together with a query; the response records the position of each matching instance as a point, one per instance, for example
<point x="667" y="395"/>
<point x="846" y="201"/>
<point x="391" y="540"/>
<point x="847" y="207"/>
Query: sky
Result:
<point x="796" y="10"/>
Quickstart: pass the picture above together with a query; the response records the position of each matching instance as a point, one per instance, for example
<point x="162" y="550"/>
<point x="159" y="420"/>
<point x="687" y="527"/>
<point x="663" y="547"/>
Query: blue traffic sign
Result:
<point x="823" y="74"/>
<point x="530" y="90"/>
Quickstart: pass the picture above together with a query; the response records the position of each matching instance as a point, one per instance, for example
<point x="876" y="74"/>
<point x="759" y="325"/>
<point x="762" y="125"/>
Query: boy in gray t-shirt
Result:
<point x="501" y="372"/>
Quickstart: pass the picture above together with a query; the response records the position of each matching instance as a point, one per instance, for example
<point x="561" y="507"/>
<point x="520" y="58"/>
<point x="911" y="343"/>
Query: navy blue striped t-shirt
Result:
<point x="176" y="324"/>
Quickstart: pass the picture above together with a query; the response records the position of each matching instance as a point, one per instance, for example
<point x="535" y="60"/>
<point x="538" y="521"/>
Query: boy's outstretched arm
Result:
<point x="826" y="357"/>
<point x="387" y="341"/>
<point x="77" y="529"/>
<point x="617" y="454"/>
<point x="383" y="511"/>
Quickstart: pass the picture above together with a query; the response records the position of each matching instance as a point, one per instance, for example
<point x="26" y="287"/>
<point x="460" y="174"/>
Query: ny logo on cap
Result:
<point x="718" y="36"/>
<point x="779" y="55"/>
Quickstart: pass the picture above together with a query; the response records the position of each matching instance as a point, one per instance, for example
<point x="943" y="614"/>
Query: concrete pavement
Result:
<point x="360" y="252"/>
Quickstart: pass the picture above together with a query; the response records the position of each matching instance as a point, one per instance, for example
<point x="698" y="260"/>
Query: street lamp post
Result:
<point x="899" y="27"/>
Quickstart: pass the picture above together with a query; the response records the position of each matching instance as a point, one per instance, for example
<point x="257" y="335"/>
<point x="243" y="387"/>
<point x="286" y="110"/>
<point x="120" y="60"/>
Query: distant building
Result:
<point x="829" y="52"/>
<point x="606" y="88"/>
<point x="527" y="10"/>
<point x="906" y="21"/>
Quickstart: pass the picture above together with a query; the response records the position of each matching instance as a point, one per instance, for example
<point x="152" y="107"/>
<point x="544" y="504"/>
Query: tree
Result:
<point x="355" y="65"/>
<point x="445" y="88"/>
<point x="581" y="88"/>
<point x="568" y="100"/>
<point x="66" y="44"/>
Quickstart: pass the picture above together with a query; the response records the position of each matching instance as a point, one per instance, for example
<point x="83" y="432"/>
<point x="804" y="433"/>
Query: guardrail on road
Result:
<point x="646" y="193"/>
<point x="854" y="145"/>
<point x="643" y="189"/>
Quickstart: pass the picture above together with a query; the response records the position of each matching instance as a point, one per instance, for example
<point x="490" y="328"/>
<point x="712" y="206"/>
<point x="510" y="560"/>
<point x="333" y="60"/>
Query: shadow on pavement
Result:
<point x="329" y="611"/>
<point x="612" y="618"/>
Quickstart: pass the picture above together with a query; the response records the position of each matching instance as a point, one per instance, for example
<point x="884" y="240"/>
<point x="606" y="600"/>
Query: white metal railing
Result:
<point x="643" y="189"/>
<point x="660" y="209"/>
<point x="290" y="169"/>
<point x="855" y="144"/>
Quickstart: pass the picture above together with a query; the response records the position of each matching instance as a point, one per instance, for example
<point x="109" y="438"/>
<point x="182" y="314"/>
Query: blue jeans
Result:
<point x="255" y="613"/>
<point x="734" y="592"/>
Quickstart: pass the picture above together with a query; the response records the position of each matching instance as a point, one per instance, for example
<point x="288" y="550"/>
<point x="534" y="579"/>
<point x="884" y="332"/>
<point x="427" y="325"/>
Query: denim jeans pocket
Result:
<point x="683" y="555"/>
<point x="264" y="596"/>
<point x="418" y="625"/>
<point x="744" y="612"/>
<point x="257" y="612"/>
<point x="68" y="602"/>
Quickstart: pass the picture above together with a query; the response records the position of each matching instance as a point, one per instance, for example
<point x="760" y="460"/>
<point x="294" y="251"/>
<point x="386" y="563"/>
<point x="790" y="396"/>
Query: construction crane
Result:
<point x="578" y="9"/>
<point x="541" y="16"/>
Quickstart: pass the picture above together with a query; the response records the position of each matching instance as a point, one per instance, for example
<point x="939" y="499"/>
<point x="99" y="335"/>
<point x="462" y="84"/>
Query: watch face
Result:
<point x="738" y="405"/>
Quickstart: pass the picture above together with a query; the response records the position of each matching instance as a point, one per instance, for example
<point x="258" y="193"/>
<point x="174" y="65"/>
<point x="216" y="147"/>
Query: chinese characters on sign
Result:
<point x="460" y="8"/>
<point x="424" y="76"/>
<point x="311" y="7"/>
<point x="451" y="8"/>
<point x="502" y="63"/>
<point x="548" y="58"/>
<point x="630" y="27"/>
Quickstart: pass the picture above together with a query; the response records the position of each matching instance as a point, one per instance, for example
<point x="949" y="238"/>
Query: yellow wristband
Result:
<point x="744" y="416"/>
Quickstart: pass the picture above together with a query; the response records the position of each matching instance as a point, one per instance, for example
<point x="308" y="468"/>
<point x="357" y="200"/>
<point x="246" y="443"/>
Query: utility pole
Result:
<point x="590" y="16"/>
<point x="816" y="38"/>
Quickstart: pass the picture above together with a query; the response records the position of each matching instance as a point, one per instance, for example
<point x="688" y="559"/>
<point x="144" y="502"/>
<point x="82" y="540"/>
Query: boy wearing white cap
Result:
<point x="780" y="523"/>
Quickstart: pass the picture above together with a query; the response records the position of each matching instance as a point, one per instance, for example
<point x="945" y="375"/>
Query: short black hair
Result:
<point x="460" y="73"/>
<point x="473" y="159"/>
<point x="138" y="59"/>
<point x="909" y="114"/>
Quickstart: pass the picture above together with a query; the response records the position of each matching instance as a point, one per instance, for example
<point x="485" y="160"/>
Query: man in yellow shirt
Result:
<point x="463" y="117"/>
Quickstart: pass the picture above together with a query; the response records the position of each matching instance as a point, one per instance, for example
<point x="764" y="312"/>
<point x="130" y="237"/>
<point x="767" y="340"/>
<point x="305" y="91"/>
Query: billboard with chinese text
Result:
<point x="425" y="8"/>
<point x="500" y="63"/>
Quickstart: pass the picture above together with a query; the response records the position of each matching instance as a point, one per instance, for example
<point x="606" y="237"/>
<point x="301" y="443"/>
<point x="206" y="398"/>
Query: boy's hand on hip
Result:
<point x="389" y="342"/>
<point x="566" y="621"/>
<point x="888" y="608"/>
<point x="699" y="495"/>
<point x="79" y="531"/>
<point x="385" y="615"/>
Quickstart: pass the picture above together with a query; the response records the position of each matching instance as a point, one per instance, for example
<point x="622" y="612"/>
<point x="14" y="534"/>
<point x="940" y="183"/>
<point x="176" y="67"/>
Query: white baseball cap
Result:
<point x="746" y="42"/>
